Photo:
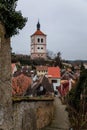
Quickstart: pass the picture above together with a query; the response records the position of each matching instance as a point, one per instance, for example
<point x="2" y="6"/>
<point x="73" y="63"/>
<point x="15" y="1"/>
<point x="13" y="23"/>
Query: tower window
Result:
<point x="38" y="39"/>
<point x="38" y="48"/>
<point x="41" y="39"/>
<point x="41" y="47"/>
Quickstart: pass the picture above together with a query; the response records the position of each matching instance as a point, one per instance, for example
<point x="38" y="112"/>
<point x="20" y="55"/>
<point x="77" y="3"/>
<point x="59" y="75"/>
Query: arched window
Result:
<point x="38" y="48"/>
<point x="41" y="39"/>
<point x="38" y="40"/>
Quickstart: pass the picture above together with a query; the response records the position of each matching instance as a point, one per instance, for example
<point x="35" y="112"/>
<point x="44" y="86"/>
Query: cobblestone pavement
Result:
<point x="60" y="120"/>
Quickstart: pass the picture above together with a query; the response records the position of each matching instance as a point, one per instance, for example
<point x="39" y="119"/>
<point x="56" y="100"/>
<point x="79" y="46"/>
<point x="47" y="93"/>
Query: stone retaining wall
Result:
<point x="32" y="115"/>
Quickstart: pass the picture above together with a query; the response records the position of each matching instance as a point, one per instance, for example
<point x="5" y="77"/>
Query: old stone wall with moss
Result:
<point x="32" y="115"/>
<point x="5" y="82"/>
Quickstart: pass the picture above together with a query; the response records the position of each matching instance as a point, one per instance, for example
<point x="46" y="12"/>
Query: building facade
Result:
<point x="38" y="44"/>
<point x="41" y="70"/>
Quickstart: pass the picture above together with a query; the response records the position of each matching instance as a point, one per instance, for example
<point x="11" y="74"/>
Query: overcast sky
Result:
<point x="64" y="22"/>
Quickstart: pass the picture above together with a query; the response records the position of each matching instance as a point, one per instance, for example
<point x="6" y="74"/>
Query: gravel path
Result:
<point x="60" y="120"/>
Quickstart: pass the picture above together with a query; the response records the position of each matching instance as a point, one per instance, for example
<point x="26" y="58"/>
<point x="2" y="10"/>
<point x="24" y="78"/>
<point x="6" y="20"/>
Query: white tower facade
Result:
<point x="38" y="44"/>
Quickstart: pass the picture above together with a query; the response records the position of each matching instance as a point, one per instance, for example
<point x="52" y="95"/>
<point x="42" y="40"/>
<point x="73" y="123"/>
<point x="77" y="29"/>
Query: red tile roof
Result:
<point x="54" y="72"/>
<point x="41" y="68"/>
<point x="20" y="84"/>
<point x="38" y="32"/>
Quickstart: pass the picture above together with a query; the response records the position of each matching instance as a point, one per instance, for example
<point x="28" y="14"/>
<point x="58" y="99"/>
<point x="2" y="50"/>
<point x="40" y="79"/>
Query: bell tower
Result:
<point x="38" y="44"/>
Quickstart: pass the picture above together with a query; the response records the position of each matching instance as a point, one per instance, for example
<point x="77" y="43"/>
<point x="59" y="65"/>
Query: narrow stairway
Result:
<point x="60" y="120"/>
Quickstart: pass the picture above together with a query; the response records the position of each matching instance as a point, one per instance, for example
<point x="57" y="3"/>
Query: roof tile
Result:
<point x="54" y="72"/>
<point x="38" y="32"/>
<point x="20" y="84"/>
